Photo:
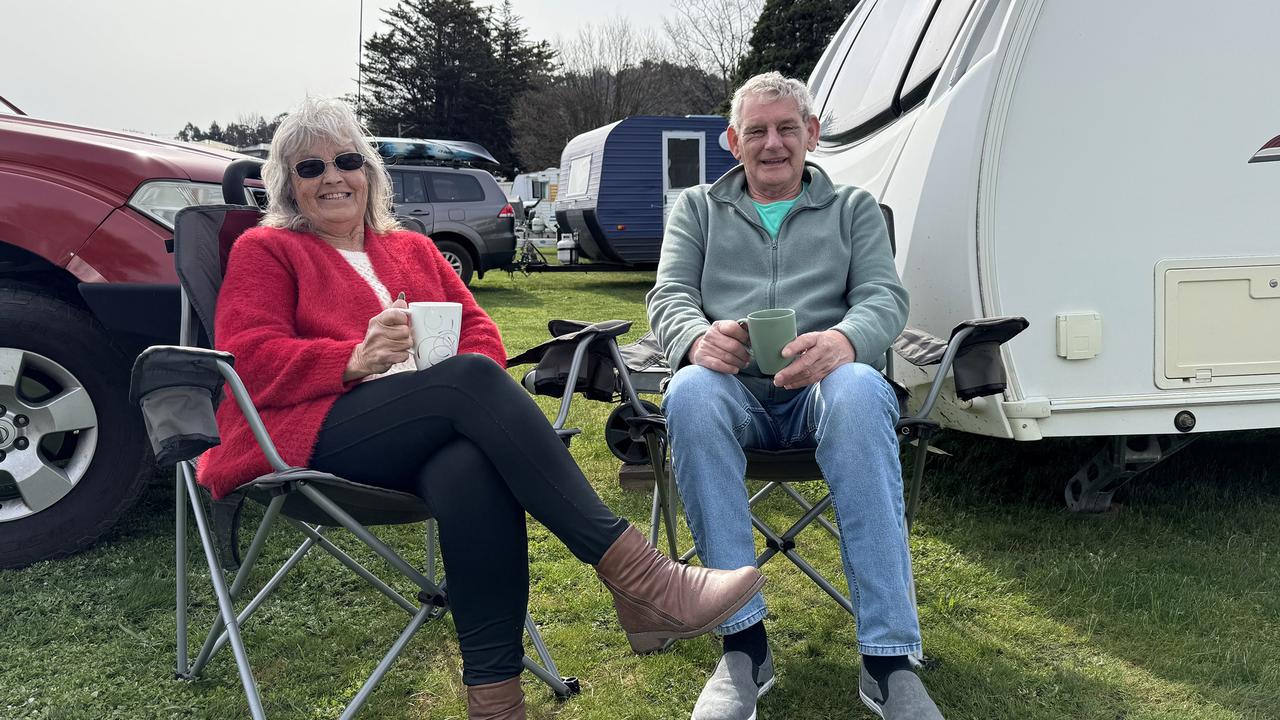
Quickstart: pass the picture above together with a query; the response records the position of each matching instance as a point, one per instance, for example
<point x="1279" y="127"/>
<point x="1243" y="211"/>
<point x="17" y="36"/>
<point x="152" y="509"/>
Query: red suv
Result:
<point x="86" y="281"/>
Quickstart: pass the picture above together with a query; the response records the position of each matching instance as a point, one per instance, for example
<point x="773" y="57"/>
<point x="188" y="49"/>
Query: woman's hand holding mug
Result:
<point x="386" y="342"/>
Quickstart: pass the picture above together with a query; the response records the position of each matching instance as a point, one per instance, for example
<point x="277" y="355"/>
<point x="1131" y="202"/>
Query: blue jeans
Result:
<point x="849" y="417"/>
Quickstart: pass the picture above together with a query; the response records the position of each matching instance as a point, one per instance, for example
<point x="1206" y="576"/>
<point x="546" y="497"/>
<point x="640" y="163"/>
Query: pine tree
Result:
<point x="790" y="36"/>
<point x="521" y="66"/>
<point x="447" y="69"/>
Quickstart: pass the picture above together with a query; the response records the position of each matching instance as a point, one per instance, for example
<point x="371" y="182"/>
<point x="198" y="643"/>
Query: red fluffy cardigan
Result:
<point x="291" y="310"/>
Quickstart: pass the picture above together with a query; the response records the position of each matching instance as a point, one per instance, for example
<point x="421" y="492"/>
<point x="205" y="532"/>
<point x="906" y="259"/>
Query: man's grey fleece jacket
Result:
<point x="831" y="263"/>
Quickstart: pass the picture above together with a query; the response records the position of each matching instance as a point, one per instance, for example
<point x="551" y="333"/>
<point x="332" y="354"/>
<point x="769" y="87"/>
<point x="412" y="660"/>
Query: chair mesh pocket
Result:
<point x="180" y="422"/>
<point x="979" y="371"/>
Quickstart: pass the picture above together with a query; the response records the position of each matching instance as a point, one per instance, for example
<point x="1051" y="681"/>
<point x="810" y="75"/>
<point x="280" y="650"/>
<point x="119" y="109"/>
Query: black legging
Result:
<point x="468" y="440"/>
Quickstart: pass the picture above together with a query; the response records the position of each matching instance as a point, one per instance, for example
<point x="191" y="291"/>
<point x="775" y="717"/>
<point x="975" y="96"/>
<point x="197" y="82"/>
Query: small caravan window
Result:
<point x="684" y="161"/>
<point x="934" y="47"/>
<point x="864" y="89"/>
<point x="579" y="176"/>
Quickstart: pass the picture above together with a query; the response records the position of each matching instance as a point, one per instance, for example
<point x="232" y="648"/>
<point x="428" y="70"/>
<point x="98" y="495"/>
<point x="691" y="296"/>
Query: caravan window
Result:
<point x="579" y="175"/>
<point x="934" y="47"/>
<point x="684" y="161"/>
<point x="820" y="79"/>
<point x="864" y="88"/>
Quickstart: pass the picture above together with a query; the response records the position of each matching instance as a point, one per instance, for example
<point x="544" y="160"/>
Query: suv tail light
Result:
<point x="507" y="211"/>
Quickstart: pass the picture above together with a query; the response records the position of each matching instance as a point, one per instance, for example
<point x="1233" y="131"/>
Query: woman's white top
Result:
<point x="359" y="261"/>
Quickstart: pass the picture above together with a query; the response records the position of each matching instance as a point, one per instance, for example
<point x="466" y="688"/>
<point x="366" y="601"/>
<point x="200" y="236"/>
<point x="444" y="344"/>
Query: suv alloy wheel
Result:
<point x="74" y="454"/>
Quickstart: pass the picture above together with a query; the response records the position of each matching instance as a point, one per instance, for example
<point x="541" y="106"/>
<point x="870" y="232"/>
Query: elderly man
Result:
<point x="775" y="232"/>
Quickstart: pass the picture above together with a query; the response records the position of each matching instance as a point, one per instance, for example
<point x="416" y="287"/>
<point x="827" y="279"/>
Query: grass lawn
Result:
<point x="1168" y="607"/>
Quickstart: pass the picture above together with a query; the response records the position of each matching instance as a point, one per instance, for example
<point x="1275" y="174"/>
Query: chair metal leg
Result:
<point x="183" y="667"/>
<point x="242" y="575"/>
<point x="547" y="671"/>
<point x="225" y="608"/>
<point x="655" y="511"/>
<point x="368" y="538"/>
<point x="255" y="603"/>
<point x="367" y="689"/>
<point x="665" y="490"/>
<point x="327" y="545"/>
<point x="431" y="549"/>
<point x="804" y="503"/>
<point x="820" y="581"/>
<point x="917" y="473"/>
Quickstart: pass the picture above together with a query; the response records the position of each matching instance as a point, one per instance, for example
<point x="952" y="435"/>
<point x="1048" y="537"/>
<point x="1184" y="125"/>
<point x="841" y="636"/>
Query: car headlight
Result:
<point x="161" y="200"/>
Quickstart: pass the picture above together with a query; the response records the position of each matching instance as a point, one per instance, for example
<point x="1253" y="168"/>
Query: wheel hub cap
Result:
<point x="32" y="477"/>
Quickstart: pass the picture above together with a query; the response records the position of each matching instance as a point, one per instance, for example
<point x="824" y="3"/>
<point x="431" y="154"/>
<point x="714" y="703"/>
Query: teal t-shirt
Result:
<point x="771" y="214"/>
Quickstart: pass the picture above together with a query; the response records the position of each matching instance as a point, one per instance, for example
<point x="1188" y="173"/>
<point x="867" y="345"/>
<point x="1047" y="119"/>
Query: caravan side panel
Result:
<point x="1120" y="154"/>
<point x="630" y="208"/>
<point x="580" y="169"/>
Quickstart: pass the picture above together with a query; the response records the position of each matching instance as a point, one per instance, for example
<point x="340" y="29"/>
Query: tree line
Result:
<point x="451" y="69"/>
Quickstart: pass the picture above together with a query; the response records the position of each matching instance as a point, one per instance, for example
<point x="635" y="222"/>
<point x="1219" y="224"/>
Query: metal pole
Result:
<point x="359" y="67"/>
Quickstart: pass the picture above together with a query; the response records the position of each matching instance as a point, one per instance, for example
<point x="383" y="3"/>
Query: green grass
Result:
<point x="1168" y="607"/>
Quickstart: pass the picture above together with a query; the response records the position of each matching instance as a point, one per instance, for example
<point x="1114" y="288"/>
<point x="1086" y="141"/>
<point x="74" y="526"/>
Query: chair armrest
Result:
<point x="176" y="389"/>
<point x="973" y="350"/>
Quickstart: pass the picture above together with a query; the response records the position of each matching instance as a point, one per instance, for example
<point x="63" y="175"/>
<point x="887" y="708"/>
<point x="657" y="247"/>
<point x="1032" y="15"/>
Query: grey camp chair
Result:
<point x="178" y="388"/>
<point x="586" y="359"/>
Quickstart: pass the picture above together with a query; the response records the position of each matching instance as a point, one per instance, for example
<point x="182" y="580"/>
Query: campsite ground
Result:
<point x="1168" y="607"/>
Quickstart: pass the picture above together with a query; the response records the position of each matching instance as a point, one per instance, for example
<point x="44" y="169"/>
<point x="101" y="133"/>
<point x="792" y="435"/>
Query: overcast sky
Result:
<point x="154" y="65"/>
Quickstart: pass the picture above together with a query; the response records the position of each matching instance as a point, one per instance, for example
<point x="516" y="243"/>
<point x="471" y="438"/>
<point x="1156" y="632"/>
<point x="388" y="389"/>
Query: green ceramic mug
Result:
<point x="770" y="331"/>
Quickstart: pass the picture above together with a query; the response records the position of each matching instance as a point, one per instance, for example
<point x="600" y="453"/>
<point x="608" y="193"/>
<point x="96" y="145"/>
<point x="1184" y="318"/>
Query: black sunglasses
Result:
<point x="314" y="167"/>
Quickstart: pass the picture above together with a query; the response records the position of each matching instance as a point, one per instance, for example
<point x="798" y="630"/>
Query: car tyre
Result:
<point x="459" y="258"/>
<point x="80" y="449"/>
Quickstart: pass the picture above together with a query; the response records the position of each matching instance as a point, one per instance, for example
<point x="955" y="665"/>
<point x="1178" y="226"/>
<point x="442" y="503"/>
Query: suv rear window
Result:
<point x="451" y="187"/>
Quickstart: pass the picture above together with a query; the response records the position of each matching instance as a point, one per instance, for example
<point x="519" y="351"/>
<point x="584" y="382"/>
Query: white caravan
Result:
<point x="1096" y="167"/>
<point x="538" y="189"/>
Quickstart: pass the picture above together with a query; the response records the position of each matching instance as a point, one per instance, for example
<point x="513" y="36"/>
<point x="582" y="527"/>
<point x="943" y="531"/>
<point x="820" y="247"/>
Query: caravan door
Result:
<point x="684" y="165"/>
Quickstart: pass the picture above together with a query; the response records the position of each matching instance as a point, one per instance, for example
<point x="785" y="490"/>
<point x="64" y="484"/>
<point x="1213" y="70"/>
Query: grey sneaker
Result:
<point x="734" y="688"/>
<point x="896" y="693"/>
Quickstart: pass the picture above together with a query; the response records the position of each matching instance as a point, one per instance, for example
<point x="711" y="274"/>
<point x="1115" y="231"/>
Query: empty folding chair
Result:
<point x="178" y="388"/>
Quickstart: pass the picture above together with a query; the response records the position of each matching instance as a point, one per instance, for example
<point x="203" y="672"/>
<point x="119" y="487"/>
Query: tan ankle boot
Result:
<point x="496" y="701"/>
<point x="657" y="598"/>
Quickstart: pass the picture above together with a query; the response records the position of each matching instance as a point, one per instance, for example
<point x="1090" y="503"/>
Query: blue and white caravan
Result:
<point x="618" y="182"/>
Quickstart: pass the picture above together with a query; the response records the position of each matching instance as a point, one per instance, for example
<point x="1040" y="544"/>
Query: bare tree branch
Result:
<point x="712" y="35"/>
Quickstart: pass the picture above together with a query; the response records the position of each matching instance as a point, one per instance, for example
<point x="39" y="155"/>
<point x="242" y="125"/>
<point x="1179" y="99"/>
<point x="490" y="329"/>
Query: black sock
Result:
<point x="879" y="665"/>
<point x="751" y="640"/>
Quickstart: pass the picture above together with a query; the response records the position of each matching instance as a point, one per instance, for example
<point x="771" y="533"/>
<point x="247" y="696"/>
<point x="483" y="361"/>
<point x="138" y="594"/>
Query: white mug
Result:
<point x="435" y="327"/>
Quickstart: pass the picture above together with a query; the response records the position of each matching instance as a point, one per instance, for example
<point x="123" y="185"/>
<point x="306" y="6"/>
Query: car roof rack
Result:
<point x="420" y="151"/>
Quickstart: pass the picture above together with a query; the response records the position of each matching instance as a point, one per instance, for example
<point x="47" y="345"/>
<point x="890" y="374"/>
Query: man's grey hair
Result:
<point x="771" y="86"/>
<point x="318" y="120"/>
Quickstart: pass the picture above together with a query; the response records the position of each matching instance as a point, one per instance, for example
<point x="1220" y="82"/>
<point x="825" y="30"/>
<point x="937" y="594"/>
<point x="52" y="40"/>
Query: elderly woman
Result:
<point x="307" y="308"/>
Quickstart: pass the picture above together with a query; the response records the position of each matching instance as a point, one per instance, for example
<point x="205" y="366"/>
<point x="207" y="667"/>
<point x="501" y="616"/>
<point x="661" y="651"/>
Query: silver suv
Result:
<point x="464" y="212"/>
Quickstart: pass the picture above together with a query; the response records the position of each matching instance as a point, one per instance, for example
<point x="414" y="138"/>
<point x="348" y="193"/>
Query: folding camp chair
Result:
<point x="178" y="388"/>
<point x="582" y="355"/>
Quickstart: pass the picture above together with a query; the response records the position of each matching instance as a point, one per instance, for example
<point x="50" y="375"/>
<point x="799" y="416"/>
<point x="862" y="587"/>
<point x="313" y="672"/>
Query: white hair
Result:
<point x="772" y="86"/>
<point x="314" y="121"/>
